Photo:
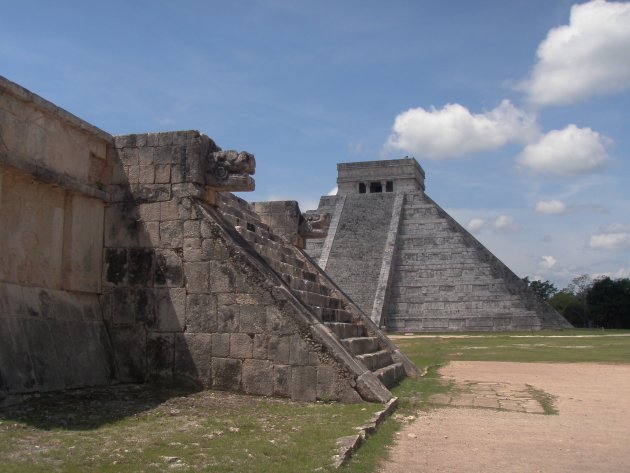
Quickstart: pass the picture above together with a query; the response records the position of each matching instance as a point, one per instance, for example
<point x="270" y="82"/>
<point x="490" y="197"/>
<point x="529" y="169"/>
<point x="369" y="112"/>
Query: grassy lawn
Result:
<point x="138" y="429"/>
<point x="142" y="429"/>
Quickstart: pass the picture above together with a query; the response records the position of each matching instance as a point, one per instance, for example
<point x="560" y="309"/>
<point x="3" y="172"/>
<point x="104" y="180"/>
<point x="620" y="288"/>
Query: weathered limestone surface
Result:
<point x="188" y="300"/>
<point x="52" y="169"/>
<point x="438" y="277"/>
<point x="126" y="260"/>
<point x="362" y="232"/>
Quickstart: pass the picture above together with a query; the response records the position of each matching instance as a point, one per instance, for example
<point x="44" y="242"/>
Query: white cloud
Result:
<point x="505" y="223"/>
<point x="610" y="241"/>
<point x="475" y="224"/>
<point x="550" y="207"/>
<point x="566" y="152"/>
<point x="454" y="131"/>
<point x="589" y="56"/>
<point x="548" y="262"/>
<point x="333" y="191"/>
<point x="620" y="273"/>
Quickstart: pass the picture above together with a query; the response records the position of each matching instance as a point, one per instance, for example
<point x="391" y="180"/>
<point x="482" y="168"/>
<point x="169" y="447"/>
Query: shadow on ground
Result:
<point x="86" y="409"/>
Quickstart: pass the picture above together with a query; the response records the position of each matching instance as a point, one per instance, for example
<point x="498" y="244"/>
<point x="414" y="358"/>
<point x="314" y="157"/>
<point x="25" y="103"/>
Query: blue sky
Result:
<point x="517" y="110"/>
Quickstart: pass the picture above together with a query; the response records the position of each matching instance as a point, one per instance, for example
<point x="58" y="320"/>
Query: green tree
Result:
<point x="543" y="289"/>
<point x="571" y="307"/>
<point x="608" y="303"/>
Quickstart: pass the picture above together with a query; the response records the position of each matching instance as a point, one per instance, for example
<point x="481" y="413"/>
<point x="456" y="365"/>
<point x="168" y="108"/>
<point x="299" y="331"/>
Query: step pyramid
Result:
<point x="410" y="265"/>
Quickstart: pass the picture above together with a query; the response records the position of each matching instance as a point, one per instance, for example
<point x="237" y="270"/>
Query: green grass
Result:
<point x="566" y="346"/>
<point x="147" y="430"/>
<point x="545" y="399"/>
<point x="163" y="430"/>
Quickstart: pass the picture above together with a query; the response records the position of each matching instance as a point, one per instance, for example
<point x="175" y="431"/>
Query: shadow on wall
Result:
<point x="144" y="295"/>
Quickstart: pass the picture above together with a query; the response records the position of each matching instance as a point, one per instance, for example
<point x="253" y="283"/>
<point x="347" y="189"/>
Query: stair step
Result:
<point x="346" y="330"/>
<point x="333" y="315"/>
<point x="319" y="300"/>
<point x="309" y="286"/>
<point x="361" y="345"/>
<point x="376" y="360"/>
<point x="389" y="375"/>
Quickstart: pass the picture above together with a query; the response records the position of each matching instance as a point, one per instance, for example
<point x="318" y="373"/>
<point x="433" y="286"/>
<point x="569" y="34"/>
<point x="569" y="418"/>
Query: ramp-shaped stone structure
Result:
<point x="410" y="265"/>
<point x="127" y="259"/>
<point x="199" y="290"/>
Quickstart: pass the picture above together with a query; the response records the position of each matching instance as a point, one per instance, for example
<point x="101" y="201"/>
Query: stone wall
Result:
<point x="283" y="216"/>
<point x="184" y="303"/>
<point x="52" y="171"/>
<point x="116" y="265"/>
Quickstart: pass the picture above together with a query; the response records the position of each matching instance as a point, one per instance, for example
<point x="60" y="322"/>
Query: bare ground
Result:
<point x="590" y="433"/>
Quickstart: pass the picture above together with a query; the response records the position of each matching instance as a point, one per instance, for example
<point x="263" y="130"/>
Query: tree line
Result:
<point x="585" y="302"/>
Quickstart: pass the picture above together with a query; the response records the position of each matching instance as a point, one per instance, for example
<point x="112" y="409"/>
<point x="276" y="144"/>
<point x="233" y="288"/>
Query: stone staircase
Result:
<point x="444" y="279"/>
<point x="318" y="293"/>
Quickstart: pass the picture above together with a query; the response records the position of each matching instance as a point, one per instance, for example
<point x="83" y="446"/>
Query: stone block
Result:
<point x="150" y="192"/>
<point x="226" y="374"/>
<point x="193" y="359"/>
<point x="133" y="173"/>
<point x="192" y="250"/>
<point x="122" y="226"/>
<point x="149" y="212"/>
<point x="160" y="355"/>
<point x="282" y="380"/>
<point x="241" y="345"/>
<point x="299" y="351"/>
<point x="277" y="322"/>
<point x="145" y="155"/>
<point x="198" y="277"/>
<point x="279" y="349"/>
<point x="15" y="363"/>
<point x="83" y="243"/>
<point x="258" y="377"/>
<point x="228" y="318"/>
<point x="304" y="383"/>
<point x="222" y="278"/>
<point x="171" y="234"/>
<point x="150" y="235"/>
<point x="261" y="346"/>
<point x="146" y="174"/>
<point x="192" y="229"/>
<point x="171" y="309"/>
<point x="221" y="345"/>
<point x="162" y="174"/>
<point x="327" y="383"/>
<point x="169" y="269"/>
<point x="133" y="305"/>
<point x="169" y="210"/>
<point x="129" y="347"/>
<point x="201" y="313"/>
<point x="252" y="318"/>
<point x="140" y="267"/>
<point x="214" y="250"/>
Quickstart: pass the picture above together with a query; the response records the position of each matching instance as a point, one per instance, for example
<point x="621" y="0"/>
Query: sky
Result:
<point x="517" y="110"/>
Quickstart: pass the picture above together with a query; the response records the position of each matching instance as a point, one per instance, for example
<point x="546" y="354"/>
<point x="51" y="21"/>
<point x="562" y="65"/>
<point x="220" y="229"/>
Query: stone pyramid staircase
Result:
<point x="358" y="334"/>
<point x="444" y="279"/>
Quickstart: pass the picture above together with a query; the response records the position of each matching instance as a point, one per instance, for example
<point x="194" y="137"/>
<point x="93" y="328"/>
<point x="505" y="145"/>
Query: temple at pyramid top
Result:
<point x="370" y="177"/>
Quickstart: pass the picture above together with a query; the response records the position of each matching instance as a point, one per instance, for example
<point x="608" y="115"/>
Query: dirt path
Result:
<point x="590" y="434"/>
